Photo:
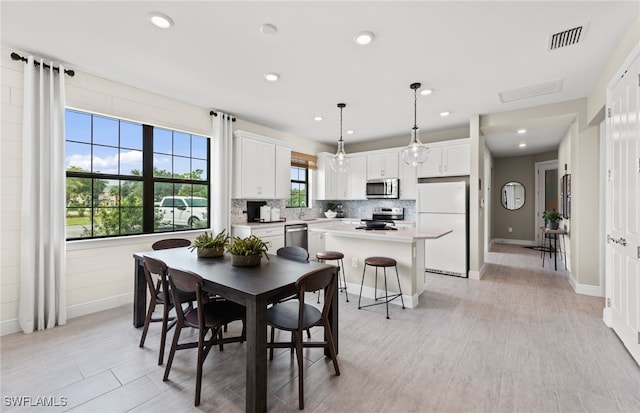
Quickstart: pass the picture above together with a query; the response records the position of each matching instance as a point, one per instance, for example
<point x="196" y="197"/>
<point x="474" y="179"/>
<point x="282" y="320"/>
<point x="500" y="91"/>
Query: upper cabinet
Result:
<point x="408" y="181"/>
<point x="449" y="158"/>
<point x="382" y="165"/>
<point x="348" y="185"/>
<point x="261" y="167"/>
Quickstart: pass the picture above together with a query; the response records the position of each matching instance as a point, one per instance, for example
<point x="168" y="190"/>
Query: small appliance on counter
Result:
<point x="339" y="210"/>
<point x="275" y="214"/>
<point x="265" y="213"/>
<point x="253" y="210"/>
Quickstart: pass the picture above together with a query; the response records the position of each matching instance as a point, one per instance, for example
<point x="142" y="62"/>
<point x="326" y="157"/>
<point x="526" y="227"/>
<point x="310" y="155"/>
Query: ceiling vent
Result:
<point x="567" y="37"/>
<point x="527" y="92"/>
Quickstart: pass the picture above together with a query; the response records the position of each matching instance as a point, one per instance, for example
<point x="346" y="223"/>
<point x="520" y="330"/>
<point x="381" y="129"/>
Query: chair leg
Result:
<point x="386" y="292"/>
<point x="298" y="346"/>
<point x="201" y="333"/>
<point x="344" y="279"/>
<point x="147" y="321"/>
<point x="172" y="352"/>
<point x="273" y="336"/>
<point x="399" y="287"/>
<point x="332" y="346"/>
<point x="163" y="333"/>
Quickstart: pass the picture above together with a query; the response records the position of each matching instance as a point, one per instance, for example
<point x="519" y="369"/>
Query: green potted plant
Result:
<point x="331" y="210"/>
<point x="246" y="251"/>
<point x="552" y="219"/>
<point x="209" y="246"/>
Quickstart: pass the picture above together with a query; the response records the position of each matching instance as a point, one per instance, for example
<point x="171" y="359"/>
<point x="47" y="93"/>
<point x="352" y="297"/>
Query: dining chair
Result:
<point x="155" y="272"/>
<point x="168" y="243"/>
<point x="296" y="316"/>
<point x="209" y="315"/>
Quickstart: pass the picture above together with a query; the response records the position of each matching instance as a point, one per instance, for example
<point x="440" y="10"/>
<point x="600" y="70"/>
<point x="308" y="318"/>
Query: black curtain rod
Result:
<point x="212" y="113"/>
<point x="16" y="56"/>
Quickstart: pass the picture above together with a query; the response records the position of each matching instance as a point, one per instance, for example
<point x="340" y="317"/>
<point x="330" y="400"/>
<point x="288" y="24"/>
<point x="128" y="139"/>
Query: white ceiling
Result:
<point x="215" y="57"/>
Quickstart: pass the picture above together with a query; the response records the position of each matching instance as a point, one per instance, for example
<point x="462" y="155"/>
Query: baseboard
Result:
<point x="73" y="311"/>
<point x="477" y="275"/>
<point x="586" y="289"/>
<point x="525" y="242"/>
<point x="367" y="292"/>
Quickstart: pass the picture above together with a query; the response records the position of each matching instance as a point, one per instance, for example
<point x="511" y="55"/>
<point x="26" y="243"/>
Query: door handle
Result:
<point x="620" y="241"/>
<point x="296" y="230"/>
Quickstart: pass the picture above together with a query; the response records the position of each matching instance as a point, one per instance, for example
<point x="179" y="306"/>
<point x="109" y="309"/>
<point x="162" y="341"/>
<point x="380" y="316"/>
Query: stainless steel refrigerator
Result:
<point x="444" y="205"/>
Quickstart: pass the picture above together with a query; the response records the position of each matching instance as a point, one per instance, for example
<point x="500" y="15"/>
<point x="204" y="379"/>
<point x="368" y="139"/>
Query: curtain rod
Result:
<point x="16" y="56"/>
<point x="212" y="113"/>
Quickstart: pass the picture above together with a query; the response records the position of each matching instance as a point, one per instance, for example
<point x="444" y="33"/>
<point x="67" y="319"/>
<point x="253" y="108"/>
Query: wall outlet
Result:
<point x="510" y="229"/>
<point x="354" y="262"/>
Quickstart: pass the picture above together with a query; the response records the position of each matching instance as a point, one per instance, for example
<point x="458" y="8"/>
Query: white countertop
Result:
<point x="401" y="235"/>
<point x="309" y="221"/>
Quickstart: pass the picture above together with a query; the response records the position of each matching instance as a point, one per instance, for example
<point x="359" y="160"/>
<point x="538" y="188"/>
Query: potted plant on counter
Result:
<point x="246" y="251"/>
<point x="331" y="210"/>
<point x="209" y="246"/>
<point x="552" y="219"/>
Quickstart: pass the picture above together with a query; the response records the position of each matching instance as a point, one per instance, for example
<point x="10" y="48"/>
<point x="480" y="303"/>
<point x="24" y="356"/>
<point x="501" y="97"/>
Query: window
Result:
<point x="128" y="178"/>
<point x="299" y="185"/>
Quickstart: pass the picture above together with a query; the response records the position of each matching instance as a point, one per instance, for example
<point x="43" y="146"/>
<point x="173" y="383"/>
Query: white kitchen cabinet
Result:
<point x="332" y="185"/>
<point x="450" y="158"/>
<point x="261" y="167"/>
<point x="357" y="178"/>
<point x="382" y="165"/>
<point x="273" y="236"/>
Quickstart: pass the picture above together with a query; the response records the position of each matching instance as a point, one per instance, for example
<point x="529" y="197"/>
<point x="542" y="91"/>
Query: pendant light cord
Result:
<point x="415" y="110"/>
<point x="341" y="123"/>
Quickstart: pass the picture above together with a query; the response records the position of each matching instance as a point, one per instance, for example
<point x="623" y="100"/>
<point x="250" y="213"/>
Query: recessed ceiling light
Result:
<point x="364" y="38"/>
<point x="426" y="92"/>
<point x="522" y="145"/>
<point x="317" y="118"/>
<point x="268" y="29"/>
<point x="522" y="131"/>
<point x="445" y="113"/>
<point x="272" y="77"/>
<point x="161" y="20"/>
<point x="350" y="132"/>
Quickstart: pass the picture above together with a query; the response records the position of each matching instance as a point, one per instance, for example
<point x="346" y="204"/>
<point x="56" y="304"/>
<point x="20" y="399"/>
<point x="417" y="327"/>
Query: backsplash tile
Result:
<point x="352" y="209"/>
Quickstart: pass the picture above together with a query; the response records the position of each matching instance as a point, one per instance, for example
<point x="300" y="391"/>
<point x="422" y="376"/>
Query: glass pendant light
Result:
<point x="415" y="153"/>
<point x="340" y="161"/>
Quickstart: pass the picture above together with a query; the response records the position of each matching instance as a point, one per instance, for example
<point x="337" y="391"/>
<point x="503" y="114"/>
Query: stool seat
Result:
<point x="380" y="262"/>
<point x="329" y="255"/>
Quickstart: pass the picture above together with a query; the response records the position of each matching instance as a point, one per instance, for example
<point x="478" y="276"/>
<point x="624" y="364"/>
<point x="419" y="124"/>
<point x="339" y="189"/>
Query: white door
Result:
<point x="622" y="208"/>
<point x="547" y="193"/>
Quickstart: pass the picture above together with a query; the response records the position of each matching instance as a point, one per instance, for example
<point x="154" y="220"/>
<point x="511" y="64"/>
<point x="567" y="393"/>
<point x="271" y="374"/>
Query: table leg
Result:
<point x="555" y="251"/>
<point x="256" y="358"/>
<point x="139" y="294"/>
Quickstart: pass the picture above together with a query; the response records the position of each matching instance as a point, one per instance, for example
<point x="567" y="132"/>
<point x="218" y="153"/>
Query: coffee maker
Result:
<point x="339" y="211"/>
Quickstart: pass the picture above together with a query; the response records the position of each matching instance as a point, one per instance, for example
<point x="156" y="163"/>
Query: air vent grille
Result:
<point x="566" y="38"/>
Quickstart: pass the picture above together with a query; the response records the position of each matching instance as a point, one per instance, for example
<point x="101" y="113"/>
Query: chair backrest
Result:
<point x="154" y="267"/>
<point x="316" y="280"/>
<point x="189" y="282"/>
<point x="165" y="244"/>
<point x="294" y="253"/>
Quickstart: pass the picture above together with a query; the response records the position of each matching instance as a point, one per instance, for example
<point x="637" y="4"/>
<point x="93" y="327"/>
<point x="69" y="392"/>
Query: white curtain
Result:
<point x="42" y="242"/>
<point x="222" y="165"/>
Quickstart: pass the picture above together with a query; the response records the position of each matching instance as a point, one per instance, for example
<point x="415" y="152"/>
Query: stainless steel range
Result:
<point x="383" y="219"/>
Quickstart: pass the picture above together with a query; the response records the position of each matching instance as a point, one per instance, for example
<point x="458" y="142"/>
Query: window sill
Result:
<point x="89" y="244"/>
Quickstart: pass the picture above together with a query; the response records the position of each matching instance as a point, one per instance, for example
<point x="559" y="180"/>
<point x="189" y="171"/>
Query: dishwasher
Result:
<point x="296" y="235"/>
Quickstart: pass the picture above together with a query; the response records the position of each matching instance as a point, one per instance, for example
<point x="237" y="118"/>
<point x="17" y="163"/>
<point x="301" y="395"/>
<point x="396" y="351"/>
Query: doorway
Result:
<point x="546" y="193"/>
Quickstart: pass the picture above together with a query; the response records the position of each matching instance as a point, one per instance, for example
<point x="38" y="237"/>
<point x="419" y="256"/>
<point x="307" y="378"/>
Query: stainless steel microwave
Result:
<point x="383" y="188"/>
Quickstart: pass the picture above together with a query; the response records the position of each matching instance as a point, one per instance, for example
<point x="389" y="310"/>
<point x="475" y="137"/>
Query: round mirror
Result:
<point x="512" y="195"/>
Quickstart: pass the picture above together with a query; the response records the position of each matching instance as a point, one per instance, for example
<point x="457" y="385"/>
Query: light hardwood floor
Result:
<point x="519" y="340"/>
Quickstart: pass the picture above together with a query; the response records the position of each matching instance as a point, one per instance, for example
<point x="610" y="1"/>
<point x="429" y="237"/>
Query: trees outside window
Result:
<point x="299" y="186"/>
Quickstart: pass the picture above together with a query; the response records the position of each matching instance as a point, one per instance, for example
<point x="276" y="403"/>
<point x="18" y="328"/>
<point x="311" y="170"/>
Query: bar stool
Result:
<point x="323" y="256"/>
<point x="383" y="262"/>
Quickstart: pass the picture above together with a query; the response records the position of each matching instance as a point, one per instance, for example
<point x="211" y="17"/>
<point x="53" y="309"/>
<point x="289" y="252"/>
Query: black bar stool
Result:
<point x="383" y="262"/>
<point x="337" y="256"/>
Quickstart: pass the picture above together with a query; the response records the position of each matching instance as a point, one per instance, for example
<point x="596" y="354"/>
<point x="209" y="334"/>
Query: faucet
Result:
<point x="302" y="205"/>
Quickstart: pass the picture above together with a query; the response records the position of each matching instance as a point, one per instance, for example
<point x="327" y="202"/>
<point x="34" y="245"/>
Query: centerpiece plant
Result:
<point x="246" y="251"/>
<point x="209" y="246"/>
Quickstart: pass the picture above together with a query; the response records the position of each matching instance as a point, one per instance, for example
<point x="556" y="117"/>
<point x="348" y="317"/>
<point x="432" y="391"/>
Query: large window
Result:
<point x="129" y="178"/>
<point x="299" y="185"/>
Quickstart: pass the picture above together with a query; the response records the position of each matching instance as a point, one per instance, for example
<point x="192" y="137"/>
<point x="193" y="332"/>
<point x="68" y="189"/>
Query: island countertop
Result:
<point x="402" y="234"/>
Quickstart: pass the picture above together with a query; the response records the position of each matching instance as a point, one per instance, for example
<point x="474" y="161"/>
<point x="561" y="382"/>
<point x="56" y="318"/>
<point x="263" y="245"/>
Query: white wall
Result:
<point x="99" y="272"/>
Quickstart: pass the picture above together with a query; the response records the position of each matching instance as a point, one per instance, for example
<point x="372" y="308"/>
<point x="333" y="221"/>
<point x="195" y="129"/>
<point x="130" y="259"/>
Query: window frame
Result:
<point x="298" y="181"/>
<point x="146" y="177"/>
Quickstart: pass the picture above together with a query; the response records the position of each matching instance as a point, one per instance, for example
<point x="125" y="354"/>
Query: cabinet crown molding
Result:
<point x="252" y="135"/>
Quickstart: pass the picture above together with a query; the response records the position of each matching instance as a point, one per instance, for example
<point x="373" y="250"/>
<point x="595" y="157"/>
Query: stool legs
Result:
<point x="342" y="282"/>
<point x="386" y="297"/>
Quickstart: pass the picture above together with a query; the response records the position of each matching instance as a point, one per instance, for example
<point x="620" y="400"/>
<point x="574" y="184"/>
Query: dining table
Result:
<point x="254" y="287"/>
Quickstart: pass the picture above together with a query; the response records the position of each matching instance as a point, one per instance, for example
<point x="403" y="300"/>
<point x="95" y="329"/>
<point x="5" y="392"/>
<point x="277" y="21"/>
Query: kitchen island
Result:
<point x="405" y="245"/>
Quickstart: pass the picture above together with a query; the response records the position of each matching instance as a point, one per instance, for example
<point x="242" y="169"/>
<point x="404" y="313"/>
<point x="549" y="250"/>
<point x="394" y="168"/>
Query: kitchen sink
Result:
<point x="308" y="219"/>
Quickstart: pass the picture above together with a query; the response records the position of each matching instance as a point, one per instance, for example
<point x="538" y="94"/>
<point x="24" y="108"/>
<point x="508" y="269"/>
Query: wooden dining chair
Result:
<point x="296" y="316"/>
<point x="209" y="315"/>
<point x="165" y="244"/>
<point x="155" y="272"/>
<point x="292" y="252"/>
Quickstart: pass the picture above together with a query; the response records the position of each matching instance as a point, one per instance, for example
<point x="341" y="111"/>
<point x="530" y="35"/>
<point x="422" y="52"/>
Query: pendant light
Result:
<point x="415" y="153"/>
<point x="340" y="161"/>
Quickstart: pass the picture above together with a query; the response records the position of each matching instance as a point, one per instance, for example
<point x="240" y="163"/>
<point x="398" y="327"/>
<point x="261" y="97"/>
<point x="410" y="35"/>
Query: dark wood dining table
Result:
<point x="254" y="287"/>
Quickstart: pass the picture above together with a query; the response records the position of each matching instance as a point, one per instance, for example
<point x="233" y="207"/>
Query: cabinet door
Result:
<point x="456" y="160"/>
<point x="283" y="173"/>
<point x="340" y="183"/>
<point x="408" y="181"/>
<point x="382" y="165"/>
<point x="433" y="165"/>
<point x="390" y="169"/>
<point x="357" y="173"/>
<point x="257" y="169"/>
